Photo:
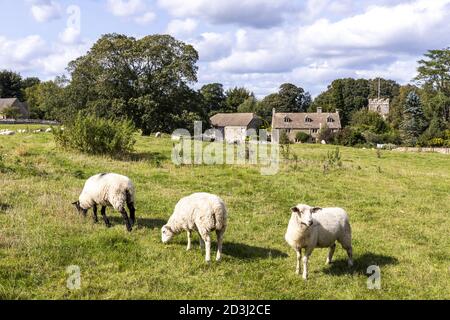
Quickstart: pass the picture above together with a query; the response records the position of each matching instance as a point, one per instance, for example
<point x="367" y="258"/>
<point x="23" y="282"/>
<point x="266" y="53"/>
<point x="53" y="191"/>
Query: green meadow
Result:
<point x="398" y="203"/>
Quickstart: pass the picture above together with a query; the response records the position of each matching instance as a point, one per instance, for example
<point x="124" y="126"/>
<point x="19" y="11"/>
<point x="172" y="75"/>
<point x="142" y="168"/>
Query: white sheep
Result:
<point x="316" y="227"/>
<point x="158" y="135"/>
<point x="108" y="190"/>
<point x="201" y="212"/>
<point x="6" y="132"/>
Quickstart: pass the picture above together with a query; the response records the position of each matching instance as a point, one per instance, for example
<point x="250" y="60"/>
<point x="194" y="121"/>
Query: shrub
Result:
<point x="93" y="135"/>
<point x="302" y="137"/>
<point x="436" y="142"/>
<point x="349" y="137"/>
<point x="326" y="134"/>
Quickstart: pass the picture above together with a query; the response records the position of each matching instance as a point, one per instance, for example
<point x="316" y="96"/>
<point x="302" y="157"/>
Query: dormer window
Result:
<point x="308" y="119"/>
<point x="287" y="119"/>
<point x="330" y="119"/>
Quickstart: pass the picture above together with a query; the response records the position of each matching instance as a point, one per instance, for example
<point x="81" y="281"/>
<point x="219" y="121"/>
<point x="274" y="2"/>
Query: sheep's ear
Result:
<point x="315" y="209"/>
<point x="295" y="210"/>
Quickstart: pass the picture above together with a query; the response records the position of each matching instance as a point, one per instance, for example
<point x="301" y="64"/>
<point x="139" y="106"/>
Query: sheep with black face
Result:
<point x="313" y="227"/>
<point x="108" y="190"/>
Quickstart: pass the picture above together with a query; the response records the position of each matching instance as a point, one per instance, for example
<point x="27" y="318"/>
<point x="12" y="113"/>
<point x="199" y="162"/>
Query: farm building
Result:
<point x="310" y="123"/>
<point x="13" y="108"/>
<point x="234" y="126"/>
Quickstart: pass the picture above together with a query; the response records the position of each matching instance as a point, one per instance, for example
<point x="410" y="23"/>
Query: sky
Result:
<point x="259" y="44"/>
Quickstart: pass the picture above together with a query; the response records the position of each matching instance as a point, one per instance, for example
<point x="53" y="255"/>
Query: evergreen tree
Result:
<point x="414" y="122"/>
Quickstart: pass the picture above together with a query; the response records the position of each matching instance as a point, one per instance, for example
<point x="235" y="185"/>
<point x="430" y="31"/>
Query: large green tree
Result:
<point x="10" y="84"/>
<point x="235" y="97"/>
<point x="214" y="98"/>
<point x="146" y="80"/>
<point x="434" y="70"/>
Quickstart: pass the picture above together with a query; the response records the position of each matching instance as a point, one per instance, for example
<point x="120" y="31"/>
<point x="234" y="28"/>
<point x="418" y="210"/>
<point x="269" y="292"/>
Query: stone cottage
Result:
<point x="234" y="126"/>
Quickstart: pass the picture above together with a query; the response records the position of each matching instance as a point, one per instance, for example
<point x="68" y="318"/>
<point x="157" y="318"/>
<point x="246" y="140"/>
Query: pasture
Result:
<point x="398" y="203"/>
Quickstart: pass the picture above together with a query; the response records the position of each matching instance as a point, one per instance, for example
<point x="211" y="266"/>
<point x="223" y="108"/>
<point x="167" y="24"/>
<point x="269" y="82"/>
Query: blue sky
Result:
<point x="258" y="44"/>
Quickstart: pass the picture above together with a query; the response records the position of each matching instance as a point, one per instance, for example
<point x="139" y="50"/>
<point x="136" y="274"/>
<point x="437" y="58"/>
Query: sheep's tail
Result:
<point x="220" y="215"/>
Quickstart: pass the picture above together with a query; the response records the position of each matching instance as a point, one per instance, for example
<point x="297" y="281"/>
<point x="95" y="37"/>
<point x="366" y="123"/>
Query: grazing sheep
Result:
<point x="201" y="212"/>
<point x="316" y="227"/>
<point x="158" y="135"/>
<point x="108" y="190"/>
<point x="48" y="130"/>
<point x="7" y="133"/>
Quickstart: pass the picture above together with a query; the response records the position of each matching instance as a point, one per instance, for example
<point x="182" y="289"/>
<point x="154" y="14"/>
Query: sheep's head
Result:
<point x="79" y="208"/>
<point x="305" y="214"/>
<point x="166" y="234"/>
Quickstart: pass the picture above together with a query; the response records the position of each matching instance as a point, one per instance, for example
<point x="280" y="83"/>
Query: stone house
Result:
<point x="233" y="126"/>
<point x="310" y="123"/>
<point x="21" y="108"/>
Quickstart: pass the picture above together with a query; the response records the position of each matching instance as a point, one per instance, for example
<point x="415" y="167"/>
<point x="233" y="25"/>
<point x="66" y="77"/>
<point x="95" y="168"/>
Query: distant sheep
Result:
<point x="202" y="212"/>
<point x="316" y="227"/>
<point x="158" y="135"/>
<point x="6" y="132"/>
<point x="108" y="190"/>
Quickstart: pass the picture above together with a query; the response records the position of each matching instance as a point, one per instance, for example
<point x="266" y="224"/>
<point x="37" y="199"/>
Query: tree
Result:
<point x="293" y="98"/>
<point x="434" y="71"/>
<point x="145" y="80"/>
<point x="365" y="120"/>
<point x="10" y="85"/>
<point x="250" y="105"/>
<point x="414" y="122"/>
<point x="213" y="98"/>
<point x="395" y="116"/>
<point x="46" y="100"/>
<point x="235" y="97"/>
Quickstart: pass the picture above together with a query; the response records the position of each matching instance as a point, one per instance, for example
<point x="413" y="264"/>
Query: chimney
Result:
<point x="274" y="111"/>
<point x="319" y="109"/>
<point x="337" y="111"/>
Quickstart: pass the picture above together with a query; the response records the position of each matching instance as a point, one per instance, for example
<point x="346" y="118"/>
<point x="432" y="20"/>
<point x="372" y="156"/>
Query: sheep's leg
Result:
<point x="94" y="209"/>
<point x="331" y="253"/>
<point x="305" y="263"/>
<point x="132" y="212"/>
<point x="207" y="239"/>
<point x="189" y="240"/>
<point x="350" y="256"/>
<point x="105" y="218"/>
<point x="220" y="234"/>
<point x="126" y="219"/>
<point x="299" y="257"/>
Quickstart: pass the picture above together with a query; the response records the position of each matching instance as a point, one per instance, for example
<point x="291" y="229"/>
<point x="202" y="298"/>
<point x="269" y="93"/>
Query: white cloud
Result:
<point x="146" y="18"/>
<point x="182" y="28"/>
<point x="45" y="10"/>
<point x="212" y="46"/>
<point x="256" y="13"/>
<point x="125" y="8"/>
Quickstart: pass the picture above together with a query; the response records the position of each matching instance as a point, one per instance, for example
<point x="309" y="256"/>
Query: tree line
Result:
<point x="150" y="82"/>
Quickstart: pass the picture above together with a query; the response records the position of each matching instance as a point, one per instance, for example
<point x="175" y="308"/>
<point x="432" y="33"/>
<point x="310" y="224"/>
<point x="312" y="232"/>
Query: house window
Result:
<point x="314" y="130"/>
<point x="330" y="119"/>
<point x="287" y="119"/>
<point x="308" y="119"/>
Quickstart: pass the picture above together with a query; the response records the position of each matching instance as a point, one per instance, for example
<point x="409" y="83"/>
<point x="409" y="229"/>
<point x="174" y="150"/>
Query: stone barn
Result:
<point x="234" y="126"/>
<point x="13" y="108"/>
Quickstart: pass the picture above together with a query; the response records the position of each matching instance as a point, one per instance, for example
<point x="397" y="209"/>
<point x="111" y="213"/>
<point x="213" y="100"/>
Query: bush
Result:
<point x="302" y="137"/>
<point x="326" y="134"/>
<point x="94" y="135"/>
<point x="349" y="137"/>
<point x="436" y="142"/>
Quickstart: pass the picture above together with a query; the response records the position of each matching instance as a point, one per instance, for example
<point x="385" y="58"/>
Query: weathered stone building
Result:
<point x="380" y="106"/>
<point x="234" y="126"/>
<point x="310" y="123"/>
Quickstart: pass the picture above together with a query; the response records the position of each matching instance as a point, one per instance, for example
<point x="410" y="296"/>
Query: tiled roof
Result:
<point x="306" y="120"/>
<point x="232" y="119"/>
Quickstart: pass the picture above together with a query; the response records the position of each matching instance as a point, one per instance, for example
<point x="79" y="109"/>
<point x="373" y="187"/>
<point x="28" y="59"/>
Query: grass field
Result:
<point x="399" y="206"/>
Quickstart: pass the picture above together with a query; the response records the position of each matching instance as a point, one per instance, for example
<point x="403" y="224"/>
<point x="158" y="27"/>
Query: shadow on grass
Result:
<point x="143" y="156"/>
<point x="141" y="222"/>
<point x="244" y="251"/>
<point x="361" y="263"/>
